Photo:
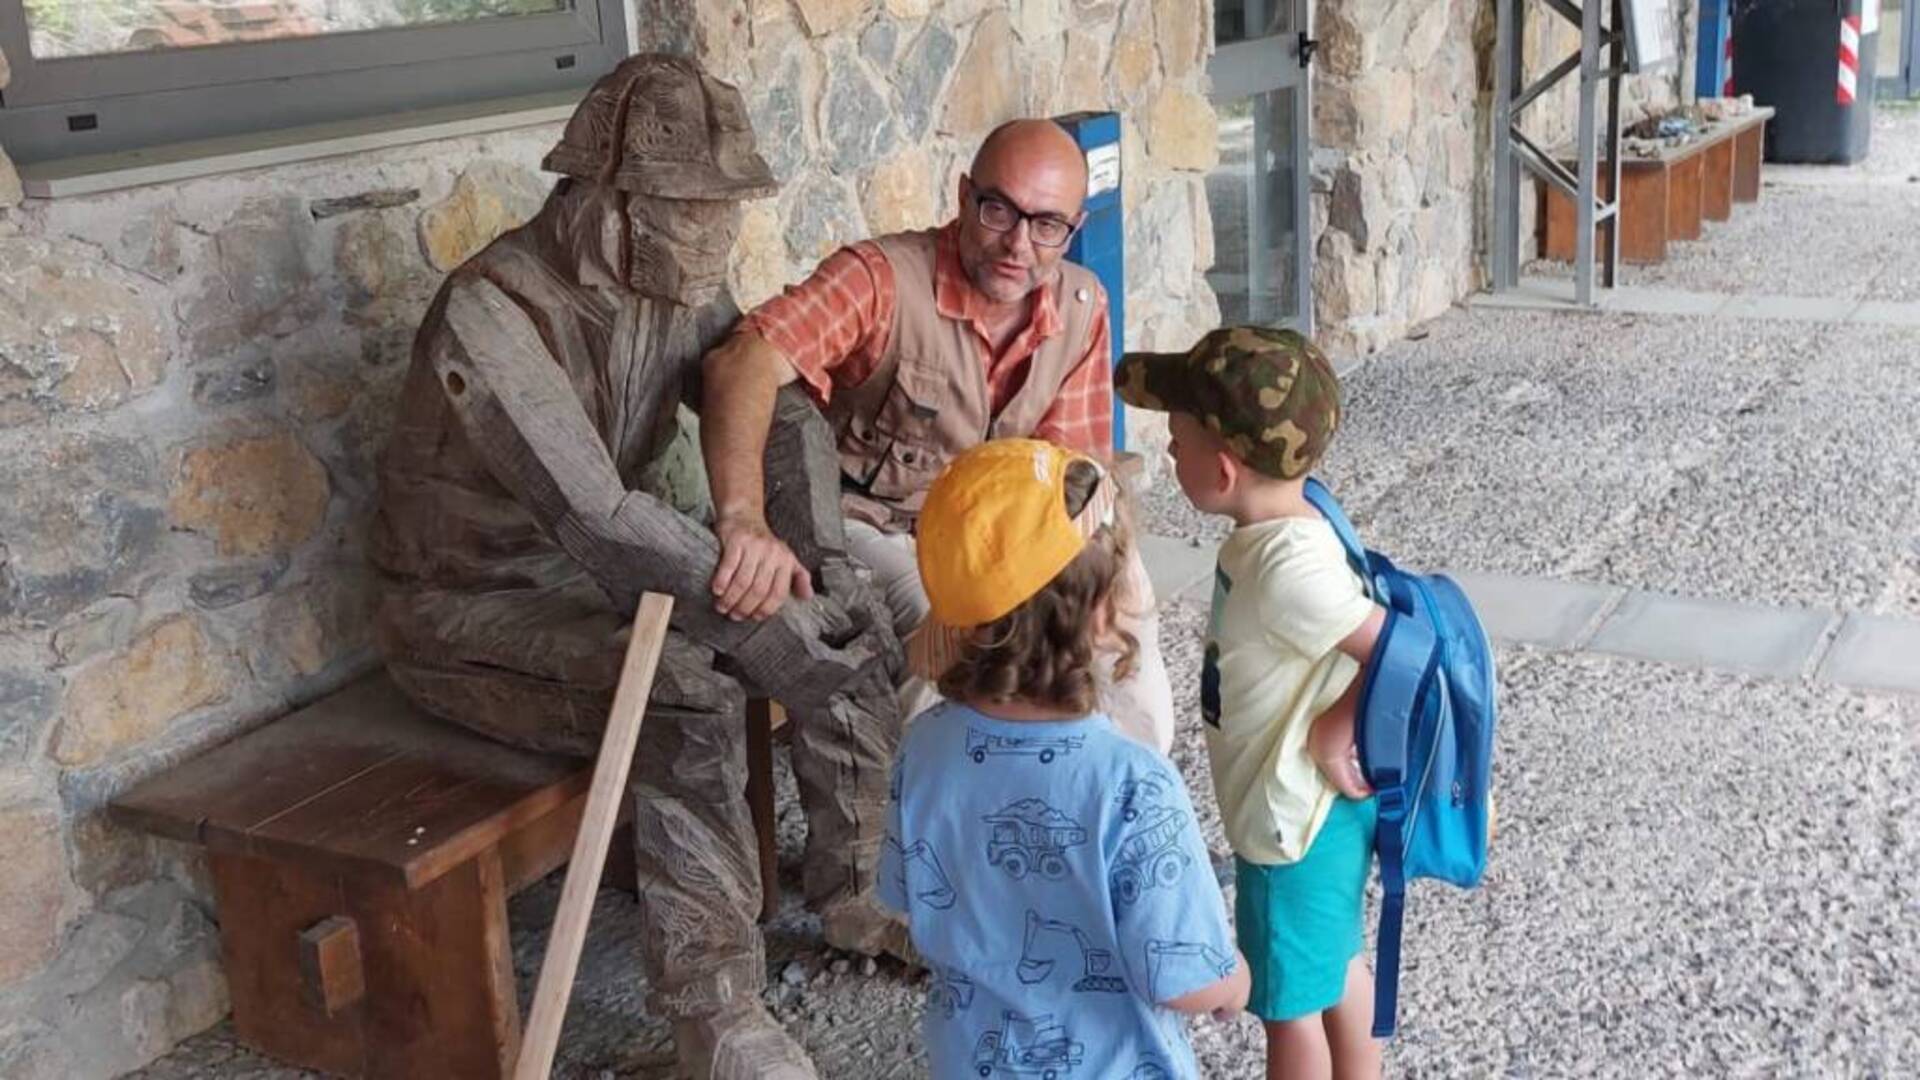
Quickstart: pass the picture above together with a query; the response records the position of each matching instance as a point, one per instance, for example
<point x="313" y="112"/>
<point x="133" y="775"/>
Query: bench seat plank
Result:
<point x="346" y="782"/>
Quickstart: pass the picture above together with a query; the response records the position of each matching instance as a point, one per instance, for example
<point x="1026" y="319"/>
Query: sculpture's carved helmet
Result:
<point x="657" y="125"/>
<point x="679" y="145"/>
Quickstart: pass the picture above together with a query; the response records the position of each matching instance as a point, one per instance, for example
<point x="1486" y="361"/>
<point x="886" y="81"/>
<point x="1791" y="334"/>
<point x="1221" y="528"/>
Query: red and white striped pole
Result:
<point x="1849" y="59"/>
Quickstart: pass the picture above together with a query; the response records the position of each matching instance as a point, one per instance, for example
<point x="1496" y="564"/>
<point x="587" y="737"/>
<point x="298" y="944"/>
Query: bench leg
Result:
<point x="762" y="717"/>
<point x="439" y="995"/>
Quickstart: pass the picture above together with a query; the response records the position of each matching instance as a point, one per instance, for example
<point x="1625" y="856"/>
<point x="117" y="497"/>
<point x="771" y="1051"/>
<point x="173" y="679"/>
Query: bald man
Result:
<point x="918" y="346"/>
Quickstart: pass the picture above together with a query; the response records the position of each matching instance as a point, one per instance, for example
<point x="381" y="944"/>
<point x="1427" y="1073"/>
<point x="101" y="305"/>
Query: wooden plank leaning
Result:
<point x="597" y="823"/>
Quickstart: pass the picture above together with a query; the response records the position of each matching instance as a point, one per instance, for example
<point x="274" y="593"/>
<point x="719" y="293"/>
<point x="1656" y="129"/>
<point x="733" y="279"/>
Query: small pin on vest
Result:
<point x="1080" y="294"/>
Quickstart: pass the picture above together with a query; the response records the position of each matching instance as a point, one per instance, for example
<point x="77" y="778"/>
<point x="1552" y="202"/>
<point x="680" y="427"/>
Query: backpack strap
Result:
<point x="1400" y="679"/>
<point x="1322" y="500"/>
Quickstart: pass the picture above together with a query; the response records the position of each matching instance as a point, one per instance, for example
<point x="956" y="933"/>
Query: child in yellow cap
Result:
<point x="1049" y="867"/>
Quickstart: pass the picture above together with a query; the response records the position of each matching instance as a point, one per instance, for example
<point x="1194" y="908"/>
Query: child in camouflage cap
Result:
<point x="1252" y="411"/>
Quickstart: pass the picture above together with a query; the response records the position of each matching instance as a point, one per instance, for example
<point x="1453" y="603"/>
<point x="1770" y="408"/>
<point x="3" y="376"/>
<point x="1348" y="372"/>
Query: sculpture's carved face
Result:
<point x="677" y="249"/>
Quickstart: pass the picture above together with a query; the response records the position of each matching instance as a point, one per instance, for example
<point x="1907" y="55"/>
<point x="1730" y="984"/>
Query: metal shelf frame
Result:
<point x="1601" y="61"/>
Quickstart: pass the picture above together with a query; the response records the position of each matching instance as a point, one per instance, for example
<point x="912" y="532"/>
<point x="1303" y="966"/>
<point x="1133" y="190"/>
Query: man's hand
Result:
<point x="757" y="571"/>
<point x="1330" y="744"/>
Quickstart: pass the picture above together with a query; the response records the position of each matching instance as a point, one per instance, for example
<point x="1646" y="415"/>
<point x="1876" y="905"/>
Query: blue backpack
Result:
<point x="1424" y="730"/>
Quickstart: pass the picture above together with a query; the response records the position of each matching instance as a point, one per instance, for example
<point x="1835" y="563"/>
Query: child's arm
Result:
<point x="1227" y="996"/>
<point x="1330" y="740"/>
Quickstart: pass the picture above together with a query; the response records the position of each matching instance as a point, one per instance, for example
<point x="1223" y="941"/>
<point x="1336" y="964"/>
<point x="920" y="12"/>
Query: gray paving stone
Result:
<point x="1791" y="308"/>
<point x="1535" y="611"/>
<point x="1174" y="564"/>
<point x="1639" y="300"/>
<point x="1874" y="652"/>
<point x="1743" y="638"/>
<point x="1887" y="313"/>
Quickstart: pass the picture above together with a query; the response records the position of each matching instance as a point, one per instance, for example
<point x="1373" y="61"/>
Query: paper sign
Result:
<point x="1103" y="169"/>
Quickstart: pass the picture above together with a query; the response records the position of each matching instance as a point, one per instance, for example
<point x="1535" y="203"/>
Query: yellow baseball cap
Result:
<point x="994" y="530"/>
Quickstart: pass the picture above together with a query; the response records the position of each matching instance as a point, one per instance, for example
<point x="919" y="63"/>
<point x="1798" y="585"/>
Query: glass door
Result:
<point x="1262" y="267"/>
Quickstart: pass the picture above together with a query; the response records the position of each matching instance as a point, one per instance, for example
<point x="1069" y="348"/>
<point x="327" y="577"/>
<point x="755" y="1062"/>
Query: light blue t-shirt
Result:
<point x="1053" y="876"/>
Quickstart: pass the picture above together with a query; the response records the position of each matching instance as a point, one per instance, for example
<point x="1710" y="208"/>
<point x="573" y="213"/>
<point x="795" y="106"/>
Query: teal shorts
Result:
<point x="1299" y="923"/>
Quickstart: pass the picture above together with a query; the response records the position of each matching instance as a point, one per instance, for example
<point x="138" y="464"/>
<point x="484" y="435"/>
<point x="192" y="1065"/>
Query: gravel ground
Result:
<point x="1697" y="873"/>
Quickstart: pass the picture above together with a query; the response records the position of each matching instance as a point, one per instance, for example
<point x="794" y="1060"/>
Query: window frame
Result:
<point x="105" y="104"/>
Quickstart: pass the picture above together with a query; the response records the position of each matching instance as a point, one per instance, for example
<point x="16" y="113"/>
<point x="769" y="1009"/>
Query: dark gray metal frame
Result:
<point x="1904" y="83"/>
<point x="1512" y="149"/>
<point x="106" y="104"/>
<point x="1244" y="68"/>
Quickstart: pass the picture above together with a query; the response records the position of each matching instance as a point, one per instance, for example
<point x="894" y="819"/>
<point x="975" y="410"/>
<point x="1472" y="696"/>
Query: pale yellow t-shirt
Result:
<point x="1283" y="599"/>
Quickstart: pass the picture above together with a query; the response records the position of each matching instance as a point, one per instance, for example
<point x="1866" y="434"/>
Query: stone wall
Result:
<point x="195" y="379"/>
<point x="871" y="109"/>
<point x="1402" y="169"/>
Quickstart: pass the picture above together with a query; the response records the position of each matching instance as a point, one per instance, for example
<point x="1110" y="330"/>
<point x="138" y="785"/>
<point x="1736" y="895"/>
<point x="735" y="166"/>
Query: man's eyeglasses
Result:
<point x="996" y="213"/>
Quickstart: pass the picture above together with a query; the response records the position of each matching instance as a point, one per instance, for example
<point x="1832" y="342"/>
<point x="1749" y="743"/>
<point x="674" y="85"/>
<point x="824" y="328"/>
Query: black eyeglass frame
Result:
<point x="981" y="196"/>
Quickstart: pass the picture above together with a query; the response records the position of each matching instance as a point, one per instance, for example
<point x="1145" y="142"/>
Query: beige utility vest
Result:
<point x="927" y="400"/>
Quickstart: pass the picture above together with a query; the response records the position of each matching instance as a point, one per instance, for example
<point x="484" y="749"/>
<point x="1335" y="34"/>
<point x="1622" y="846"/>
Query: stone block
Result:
<point x="169" y="670"/>
<point x="75" y="331"/>
<point x="1083" y="81"/>
<point x="1746" y="638"/>
<point x="908" y="9"/>
<point x="985" y="91"/>
<point x="246" y="378"/>
<point x="880" y="41"/>
<point x="104" y="627"/>
<point x="1427" y="31"/>
<point x="102" y="856"/>
<point x="28" y="698"/>
<point x="263" y="281"/>
<point x="824" y="17"/>
<point x="1536" y="611"/>
<point x="1875" y="652"/>
<point x="1180" y="26"/>
<point x="859" y="122"/>
<point x="779" y="111"/>
<point x="1135" y="60"/>
<point x="223" y="587"/>
<point x="821" y="216"/>
<point x="487" y="199"/>
<point x="382" y="270"/>
<point x="1383" y="106"/>
<point x="253" y="495"/>
<point x="78" y="522"/>
<point x="98" y="943"/>
<point x="1336" y="123"/>
<point x="11" y="192"/>
<point x="1160" y="244"/>
<point x="1203" y="247"/>
<point x="898" y="194"/>
<point x="197" y="997"/>
<point x="759" y="259"/>
<point x="1182" y="131"/>
<point x="32" y="891"/>
<point x="921" y="75"/>
<point x="1037" y="22"/>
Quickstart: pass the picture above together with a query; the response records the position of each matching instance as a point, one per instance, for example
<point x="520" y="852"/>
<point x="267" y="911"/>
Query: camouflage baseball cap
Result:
<point x="1270" y="394"/>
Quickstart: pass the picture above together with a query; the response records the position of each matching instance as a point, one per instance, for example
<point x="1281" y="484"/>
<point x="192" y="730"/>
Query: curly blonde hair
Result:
<point x="1042" y="652"/>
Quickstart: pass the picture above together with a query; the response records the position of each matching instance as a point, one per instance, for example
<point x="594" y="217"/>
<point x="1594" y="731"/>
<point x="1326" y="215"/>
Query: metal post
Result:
<point x="1616" y="66"/>
<point x="1587" y="194"/>
<point x="1507" y="71"/>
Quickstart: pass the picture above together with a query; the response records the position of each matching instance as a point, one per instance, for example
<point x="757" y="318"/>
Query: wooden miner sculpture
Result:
<point x="514" y="537"/>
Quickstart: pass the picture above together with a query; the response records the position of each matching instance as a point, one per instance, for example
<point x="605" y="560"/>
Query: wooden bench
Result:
<point x="1665" y="198"/>
<point x="362" y="856"/>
